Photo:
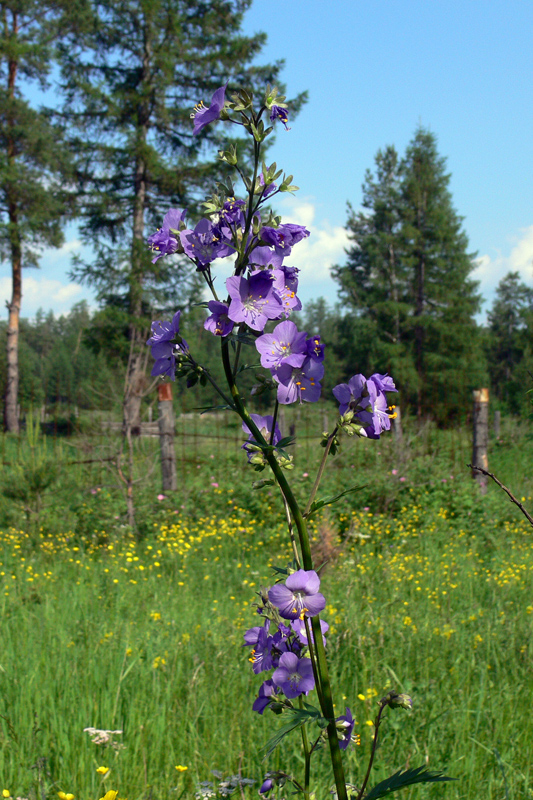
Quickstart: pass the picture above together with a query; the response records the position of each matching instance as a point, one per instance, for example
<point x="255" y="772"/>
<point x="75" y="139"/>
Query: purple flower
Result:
<point x="285" y="345"/>
<point x="205" y="243"/>
<point x="203" y="116"/>
<point x="218" y="323"/>
<point x="315" y="349"/>
<point x="163" y="348"/>
<point x="349" y="394"/>
<point x="285" y="236"/>
<point x="253" y="300"/>
<point x="267" y="786"/>
<point x="286" y="285"/>
<point x="383" y="382"/>
<point x="278" y="112"/>
<point x="251" y="636"/>
<point x="265" y="429"/>
<point x="261" y="656"/>
<point x="267" y="693"/>
<point x="294" y="675"/>
<point x="166" y="239"/>
<point x="232" y="212"/>
<point x="367" y="401"/>
<point x="298" y="626"/>
<point x="299" y="595"/>
<point x="299" y="383"/>
<point x="265" y="257"/>
<point x="345" y="725"/>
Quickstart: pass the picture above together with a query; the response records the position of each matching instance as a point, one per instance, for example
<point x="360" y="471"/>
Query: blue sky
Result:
<point x="375" y="71"/>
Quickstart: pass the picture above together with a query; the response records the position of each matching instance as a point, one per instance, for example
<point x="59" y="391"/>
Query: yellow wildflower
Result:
<point x="110" y="795"/>
<point x="181" y="768"/>
<point x="102" y="770"/>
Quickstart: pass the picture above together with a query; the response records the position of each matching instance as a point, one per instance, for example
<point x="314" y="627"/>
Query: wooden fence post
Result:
<point x="481" y="437"/>
<point x="166" y="437"/>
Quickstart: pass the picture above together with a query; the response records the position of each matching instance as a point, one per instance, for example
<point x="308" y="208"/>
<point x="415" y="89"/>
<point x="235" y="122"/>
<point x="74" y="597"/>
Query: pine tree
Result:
<point x="408" y="275"/>
<point x="131" y="83"/>
<point x="374" y="281"/>
<point x="510" y="325"/>
<point x="447" y="353"/>
<point x="33" y="165"/>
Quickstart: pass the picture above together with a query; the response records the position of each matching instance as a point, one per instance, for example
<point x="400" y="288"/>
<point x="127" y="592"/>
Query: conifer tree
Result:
<point x="131" y="82"/>
<point x="510" y="326"/>
<point x="33" y="165"/>
<point x="408" y="274"/>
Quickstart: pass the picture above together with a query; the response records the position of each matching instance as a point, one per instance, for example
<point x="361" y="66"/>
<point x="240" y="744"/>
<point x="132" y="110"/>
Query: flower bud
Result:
<point x="394" y="700"/>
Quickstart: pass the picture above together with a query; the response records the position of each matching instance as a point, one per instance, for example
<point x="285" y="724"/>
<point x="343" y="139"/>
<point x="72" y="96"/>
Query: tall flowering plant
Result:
<point x="254" y="310"/>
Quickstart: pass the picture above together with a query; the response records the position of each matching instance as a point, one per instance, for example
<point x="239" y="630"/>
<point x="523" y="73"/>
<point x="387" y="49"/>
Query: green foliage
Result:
<point x="432" y="598"/>
<point x="34" y="163"/>
<point x="404" y="778"/>
<point x="32" y="475"/>
<point x="130" y="81"/>
<point x="69" y="362"/>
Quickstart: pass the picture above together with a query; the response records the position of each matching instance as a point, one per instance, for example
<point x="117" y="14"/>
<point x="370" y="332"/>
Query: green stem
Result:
<point x="329" y="711"/>
<point x="236" y="362"/>
<point x="372" y="754"/>
<point x="314" y="663"/>
<point x="213" y="383"/>
<point x="307" y="753"/>
<point x="274" y="421"/>
<point x="320" y="472"/>
<point x="307" y="560"/>
<point x="209" y="280"/>
<point x="291" y="532"/>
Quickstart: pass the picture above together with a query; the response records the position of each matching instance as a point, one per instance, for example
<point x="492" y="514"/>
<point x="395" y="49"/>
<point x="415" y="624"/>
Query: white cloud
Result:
<point x="490" y="271"/>
<point x="41" y="292"/>
<point x="321" y="250"/>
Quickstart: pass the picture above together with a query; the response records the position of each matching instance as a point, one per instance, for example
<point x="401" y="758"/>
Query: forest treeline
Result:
<point x="76" y="362"/>
<point x="116" y="151"/>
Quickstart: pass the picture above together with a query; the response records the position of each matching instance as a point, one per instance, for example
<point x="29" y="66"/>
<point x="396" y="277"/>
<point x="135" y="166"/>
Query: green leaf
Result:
<point x="206" y="409"/>
<point x="286" y="441"/>
<point x="280" y="570"/>
<point x="327" y="501"/>
<point x="407" y="778"/>
<point x="299" y="718"/>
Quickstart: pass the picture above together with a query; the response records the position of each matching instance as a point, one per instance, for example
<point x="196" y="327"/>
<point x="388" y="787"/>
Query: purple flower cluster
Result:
<point x="295" y="362"/>
<point x="163" y="348"/>
<point x="363" y="401"/>
<point x="283" y="651"/>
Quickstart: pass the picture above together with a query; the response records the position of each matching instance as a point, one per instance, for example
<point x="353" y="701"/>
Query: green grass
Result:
<point x="430" y="593"/>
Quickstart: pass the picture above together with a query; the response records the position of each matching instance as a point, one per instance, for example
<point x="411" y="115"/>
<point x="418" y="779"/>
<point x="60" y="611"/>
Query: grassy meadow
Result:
<point x="428" y="588"/>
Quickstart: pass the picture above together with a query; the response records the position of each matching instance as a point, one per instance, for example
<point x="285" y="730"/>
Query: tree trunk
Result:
<point x="135" y="375"/>
<point x="11" y="422"/>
